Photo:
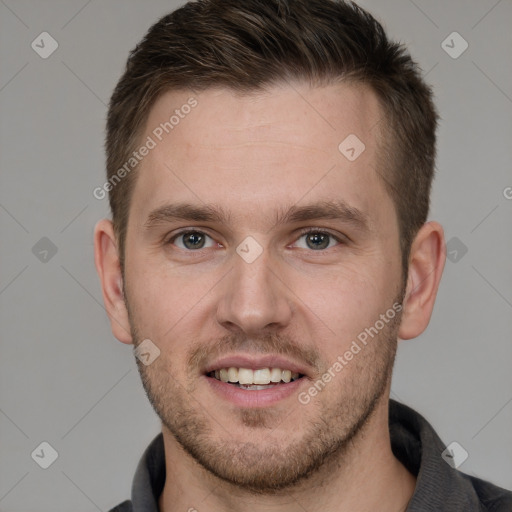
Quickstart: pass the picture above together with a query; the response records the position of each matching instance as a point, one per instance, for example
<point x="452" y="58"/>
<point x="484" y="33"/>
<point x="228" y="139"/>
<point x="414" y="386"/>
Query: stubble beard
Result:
<point x="339" y="420"/>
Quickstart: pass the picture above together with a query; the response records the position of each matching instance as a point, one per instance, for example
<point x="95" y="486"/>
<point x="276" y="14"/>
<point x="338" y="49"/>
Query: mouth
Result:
<point x="258" y="379"/>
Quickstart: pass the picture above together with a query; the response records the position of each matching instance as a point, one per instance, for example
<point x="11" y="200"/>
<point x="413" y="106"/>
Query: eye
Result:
<point x="192" y="240"/>
<point x="317" y="240"/>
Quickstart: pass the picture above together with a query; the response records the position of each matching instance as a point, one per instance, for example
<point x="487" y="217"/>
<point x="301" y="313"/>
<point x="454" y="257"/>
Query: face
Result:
<point x="254" y="243"/>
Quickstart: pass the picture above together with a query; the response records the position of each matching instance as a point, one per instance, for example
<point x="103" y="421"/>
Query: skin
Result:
<point x="255" y="156"/>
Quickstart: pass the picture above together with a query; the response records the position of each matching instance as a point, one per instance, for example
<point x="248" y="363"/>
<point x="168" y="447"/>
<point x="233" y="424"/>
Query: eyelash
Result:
<point x="305" y="231"/>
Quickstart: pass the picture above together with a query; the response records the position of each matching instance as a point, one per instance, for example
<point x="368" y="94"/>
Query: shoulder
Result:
<point x="125" y="506"/>
<point x="492" y="497"/>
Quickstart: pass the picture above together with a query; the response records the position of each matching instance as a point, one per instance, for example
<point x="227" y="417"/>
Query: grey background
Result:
<point x="64" y="379"/>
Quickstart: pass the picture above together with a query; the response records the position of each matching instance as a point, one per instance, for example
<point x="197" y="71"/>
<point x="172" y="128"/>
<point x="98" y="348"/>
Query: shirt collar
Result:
<point x="149" y="479"/>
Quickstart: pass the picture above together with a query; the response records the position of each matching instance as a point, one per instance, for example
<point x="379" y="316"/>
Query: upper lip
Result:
<point x="256" y="363"/>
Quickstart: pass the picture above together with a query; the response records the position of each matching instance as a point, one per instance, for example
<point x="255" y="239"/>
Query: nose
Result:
<point x="253" y="299"/>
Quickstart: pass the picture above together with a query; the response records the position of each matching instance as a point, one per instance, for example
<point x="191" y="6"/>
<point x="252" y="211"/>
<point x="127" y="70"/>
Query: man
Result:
<point x="269" y="168"/>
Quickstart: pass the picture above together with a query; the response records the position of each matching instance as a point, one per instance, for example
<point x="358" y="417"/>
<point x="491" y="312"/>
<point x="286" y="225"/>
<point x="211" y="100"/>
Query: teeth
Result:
<point x="245" y="376"/>
<point x="261" y="377"/>
<point x="255" y="387"/>
<point x="232" y="374"/>
<point x="275" y="375"/>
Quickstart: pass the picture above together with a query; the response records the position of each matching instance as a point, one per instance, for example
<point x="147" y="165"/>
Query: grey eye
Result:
<point x="316" y="240"/>
<point x="193" y="240"/>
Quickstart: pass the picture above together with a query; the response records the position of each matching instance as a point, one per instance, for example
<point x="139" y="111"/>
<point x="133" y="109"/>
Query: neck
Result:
<point x="367" y="476"/>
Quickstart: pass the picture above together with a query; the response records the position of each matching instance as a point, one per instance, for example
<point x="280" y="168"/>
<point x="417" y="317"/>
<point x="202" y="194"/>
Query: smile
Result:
<point x="248" y="379"/>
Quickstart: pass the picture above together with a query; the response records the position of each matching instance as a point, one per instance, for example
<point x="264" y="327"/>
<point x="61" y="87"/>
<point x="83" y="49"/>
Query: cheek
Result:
<point x="170" y="305"/>
<point x="343" y="303"/>
<point x="154" y="303"/>
<point x="158" y="287"/>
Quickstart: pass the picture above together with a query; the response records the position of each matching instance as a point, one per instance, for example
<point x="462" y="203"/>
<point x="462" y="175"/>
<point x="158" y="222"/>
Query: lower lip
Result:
<point x="253" y="398"/>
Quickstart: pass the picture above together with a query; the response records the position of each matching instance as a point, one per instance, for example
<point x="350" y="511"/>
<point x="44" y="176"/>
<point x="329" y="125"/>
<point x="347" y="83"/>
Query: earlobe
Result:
<point x="106" y="259"/>
<point x="426" y="264"/>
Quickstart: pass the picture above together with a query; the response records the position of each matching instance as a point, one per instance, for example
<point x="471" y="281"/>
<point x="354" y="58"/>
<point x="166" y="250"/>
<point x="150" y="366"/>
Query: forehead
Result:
<point x="267" y="149"/>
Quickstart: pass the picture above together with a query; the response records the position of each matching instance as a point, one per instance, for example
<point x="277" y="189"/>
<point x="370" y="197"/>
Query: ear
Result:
<point x="106" y="258"/>
<point x="426" y="264"/>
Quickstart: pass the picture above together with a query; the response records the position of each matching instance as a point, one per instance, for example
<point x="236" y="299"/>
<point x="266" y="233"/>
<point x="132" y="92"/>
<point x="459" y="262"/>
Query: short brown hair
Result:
<point x="249" y="45"/>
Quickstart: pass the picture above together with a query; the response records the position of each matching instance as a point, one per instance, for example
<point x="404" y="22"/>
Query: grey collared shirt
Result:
<point x="439" y="487"/>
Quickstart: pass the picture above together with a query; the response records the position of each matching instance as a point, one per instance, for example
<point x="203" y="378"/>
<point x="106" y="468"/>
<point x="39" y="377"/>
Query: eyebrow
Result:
<point x="332" y="210"/>
<point x="323" y="210"/>
<point x="185" y="211"/>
